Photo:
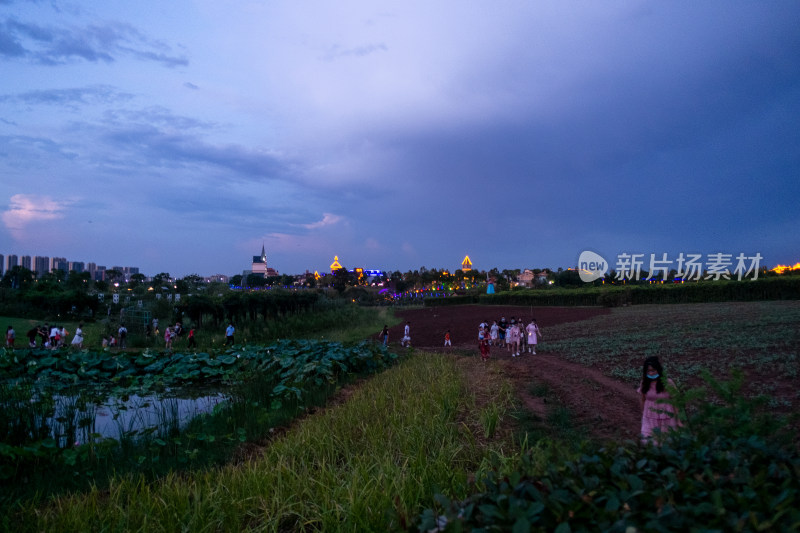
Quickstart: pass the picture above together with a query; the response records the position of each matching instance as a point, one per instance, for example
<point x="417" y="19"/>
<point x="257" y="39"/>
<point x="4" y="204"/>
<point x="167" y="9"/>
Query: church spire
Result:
<point x="263" y="253"/>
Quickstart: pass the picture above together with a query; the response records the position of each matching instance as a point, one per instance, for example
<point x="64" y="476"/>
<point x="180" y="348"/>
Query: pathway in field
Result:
<point x="606" y="408"/>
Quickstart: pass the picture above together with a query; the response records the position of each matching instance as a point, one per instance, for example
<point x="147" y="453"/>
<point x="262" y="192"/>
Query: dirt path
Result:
<point x="604" y="407"/>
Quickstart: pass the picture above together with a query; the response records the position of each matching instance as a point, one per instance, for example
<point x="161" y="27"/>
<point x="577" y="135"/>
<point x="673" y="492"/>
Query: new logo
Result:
<point x="591" y="266"/>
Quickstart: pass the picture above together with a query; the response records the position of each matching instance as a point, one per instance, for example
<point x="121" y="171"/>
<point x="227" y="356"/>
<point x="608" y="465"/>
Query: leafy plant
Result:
<point x="731" y="469"/>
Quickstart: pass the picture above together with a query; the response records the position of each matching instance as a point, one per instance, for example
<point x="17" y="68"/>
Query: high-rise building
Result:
<point x="91" y="268"/>
<point x="59" y="263"/>
<point x="2" y="264"/>
<point x="25" y="261"/>
<point x="100" y="273"/>
<point x="77" y="266"/>
<point x="12" y="261"/>
<point x="41" y="265"/>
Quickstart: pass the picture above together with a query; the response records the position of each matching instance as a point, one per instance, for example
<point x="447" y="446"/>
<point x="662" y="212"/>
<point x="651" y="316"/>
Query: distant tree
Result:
<point x="113" y="275"/>
<point x="136" y="280"/>
<point x="341" y="279"/>
<point x="17" y="277"/>
<point x="236" y="280"/>
<point x="257" y="280"/>
<point x="79" y="281"/>
<point x="568" y="278"/>
<point x="160" y="279"/>
<point x="502" y="284"/>
<point x="194" y="281"/>
<point x="182" y="286"/>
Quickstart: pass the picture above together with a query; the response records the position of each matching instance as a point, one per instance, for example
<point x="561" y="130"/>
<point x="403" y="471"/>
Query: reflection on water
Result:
<point x="117" y="418"/>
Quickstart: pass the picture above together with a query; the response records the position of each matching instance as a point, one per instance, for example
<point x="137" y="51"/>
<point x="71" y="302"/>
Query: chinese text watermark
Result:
<point x="686" y="266"/>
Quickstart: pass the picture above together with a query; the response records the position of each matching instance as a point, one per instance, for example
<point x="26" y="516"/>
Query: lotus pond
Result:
<point x="68" y="419"/>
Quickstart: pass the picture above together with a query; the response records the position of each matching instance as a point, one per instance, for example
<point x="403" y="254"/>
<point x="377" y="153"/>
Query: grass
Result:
<point x="557" y="425"/>
<point x="369" y="464"/>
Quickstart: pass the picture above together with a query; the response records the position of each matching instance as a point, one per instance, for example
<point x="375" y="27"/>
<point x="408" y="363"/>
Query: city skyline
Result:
<point x="180" y="136"/>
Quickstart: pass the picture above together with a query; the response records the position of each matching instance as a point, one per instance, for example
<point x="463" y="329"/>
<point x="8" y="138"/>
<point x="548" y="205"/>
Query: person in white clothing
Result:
<point x="77" y="340"/>
<point x="534" y="334"/>
<point x="406" y="340"/>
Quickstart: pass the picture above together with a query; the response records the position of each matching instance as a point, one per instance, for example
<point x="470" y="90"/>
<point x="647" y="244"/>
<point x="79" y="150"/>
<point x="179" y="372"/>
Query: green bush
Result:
<point x="730" y="469"/>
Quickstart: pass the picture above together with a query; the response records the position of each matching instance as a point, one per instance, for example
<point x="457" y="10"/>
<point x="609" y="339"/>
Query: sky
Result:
<point x="182" y="136"/>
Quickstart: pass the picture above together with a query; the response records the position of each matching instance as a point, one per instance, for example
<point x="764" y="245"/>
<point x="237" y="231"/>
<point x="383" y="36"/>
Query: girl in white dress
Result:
<point x="533" y="336"/>
<point x="77" y="340"/>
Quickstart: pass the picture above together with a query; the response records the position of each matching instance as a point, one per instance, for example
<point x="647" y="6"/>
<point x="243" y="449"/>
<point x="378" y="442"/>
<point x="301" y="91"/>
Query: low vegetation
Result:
<point x="368" y="464"/>
<point x="426" y="445"/>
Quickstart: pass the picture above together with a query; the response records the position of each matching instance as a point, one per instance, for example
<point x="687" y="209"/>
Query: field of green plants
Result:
<point x="418" y="441"/>
<point x="759" y="338"/>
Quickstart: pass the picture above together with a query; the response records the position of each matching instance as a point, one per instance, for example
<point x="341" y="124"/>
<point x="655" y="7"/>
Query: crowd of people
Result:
<point x="46" y="336"/>
<point x="55" y="337"/>
<point x="513" y="335"/>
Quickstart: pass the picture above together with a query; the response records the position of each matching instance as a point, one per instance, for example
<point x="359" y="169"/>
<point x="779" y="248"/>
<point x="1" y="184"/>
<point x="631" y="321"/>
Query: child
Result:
<point x="447" y="338"/>
<point x="484" y="346"/>
<point x="406" y="340"/>
<point x="11" y="335"/>
<point x="533" y="336"/>
<point x="192" y="343"/>
<point x="658" y="414"/>
<point x="77" y="340"/>
<point x="168" y="338"/>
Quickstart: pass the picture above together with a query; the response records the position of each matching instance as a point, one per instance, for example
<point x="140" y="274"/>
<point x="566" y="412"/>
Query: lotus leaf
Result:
<point x="155" y="367"/>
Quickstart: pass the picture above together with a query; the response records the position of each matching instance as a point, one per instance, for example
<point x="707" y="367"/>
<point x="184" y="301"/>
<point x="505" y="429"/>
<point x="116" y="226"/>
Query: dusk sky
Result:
<point x="179" y="136"/>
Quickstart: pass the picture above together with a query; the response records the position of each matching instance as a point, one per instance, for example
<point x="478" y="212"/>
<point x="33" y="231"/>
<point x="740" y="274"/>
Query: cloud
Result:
<point x="50" y="45"/>
<point x="337" y="51"/>
<point x="25" y="209"/>
<point x="328" y="219"/>
<point x="160" y="148"/>
<point x="19" y="146"/>
<point x="190" y="85"/>
<point x="72" y="97"/>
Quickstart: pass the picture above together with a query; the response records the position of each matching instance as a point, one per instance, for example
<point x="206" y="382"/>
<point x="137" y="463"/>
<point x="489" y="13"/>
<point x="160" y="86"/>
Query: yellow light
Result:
<point x="780" y="269"/>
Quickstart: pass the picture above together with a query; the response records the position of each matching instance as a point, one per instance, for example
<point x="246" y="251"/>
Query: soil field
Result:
<point x="589" y="360"/>
<point x="429" y="324"/>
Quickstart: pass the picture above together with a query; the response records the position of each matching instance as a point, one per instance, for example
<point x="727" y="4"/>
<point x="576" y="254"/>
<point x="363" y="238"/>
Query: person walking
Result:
<point x="77" y="340"/>
<point x="534" y="334"/>
<point x="192" y="343"/>
<point x="168" y="338"/>
<point x="447" y="338"/>
<point x="483" y="346"/>
<point x="32" y="334"/>
<point x="513" y="338"/>
<point x="406" y="340"/>
<point x="229" y="331"/>
<point x="502" y="329"/>
<point x="11" y="336"/>
<point x="384" y="335"/>
<point x="53" y="334"/>
<point x="123" y="335"/>
<point x="658" y="415"/>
